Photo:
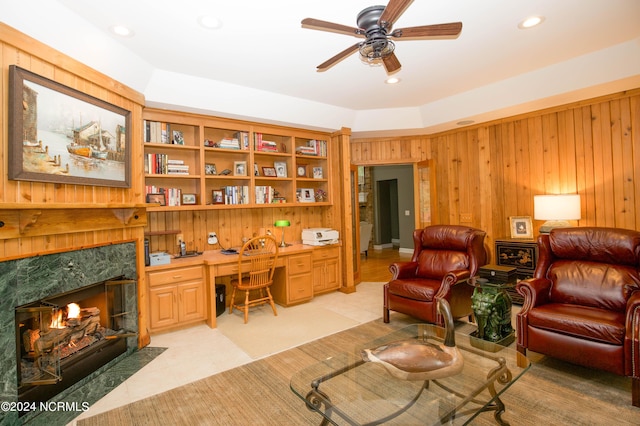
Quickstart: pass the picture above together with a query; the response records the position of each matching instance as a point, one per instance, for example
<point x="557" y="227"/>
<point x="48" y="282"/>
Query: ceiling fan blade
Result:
<point x="337" y="58"/>
<point x="317" y="24"/>
<point x="438" y="30"/>
<point x="392" y="12"/>
<point x="391" y="63"/>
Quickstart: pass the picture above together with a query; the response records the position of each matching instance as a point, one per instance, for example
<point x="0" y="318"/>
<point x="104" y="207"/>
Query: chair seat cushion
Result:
<point x="580" y="321"/>
<point x="415" y="288"/>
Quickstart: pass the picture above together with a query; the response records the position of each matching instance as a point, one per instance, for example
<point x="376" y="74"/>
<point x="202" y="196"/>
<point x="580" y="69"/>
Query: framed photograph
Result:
<point x="178" y="137"/>
<point x="269" y="171"/>
<point x="306" y="195"/>
<point x="281" y="168"/>
<point x="188" y="199"/>
<point x="157" y="199"/>
<point x="301" y="170"/>
<point x="210" y="169"/>
<point x="217" y="196"/>
<point x="256" y="171"/>
<point x="317" y="173"/>
<point x="521" y="227"/>
<point x="239" y="168"/>
<point x="60" y="135"/>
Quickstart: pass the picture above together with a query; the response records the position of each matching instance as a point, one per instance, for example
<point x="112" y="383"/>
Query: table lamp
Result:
<point x="282" y="224"/>
<point x="557" y="210"/>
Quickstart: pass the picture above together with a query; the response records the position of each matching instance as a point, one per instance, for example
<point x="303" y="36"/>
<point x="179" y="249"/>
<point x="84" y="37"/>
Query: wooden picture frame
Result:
<point x="269" y="171"/>
<point x="281" y="169"/>
<point x="521" y="227"/>
<point x="210" y="169"/>
<point x="239" y="168"/>
<point x="301" y="170"/>
<point x="157" y="198"/>
<point x="217" y="196"/>
<point x="318" y="173"/>
<point x="189" y="199"/>
<point x="49" y="143"/>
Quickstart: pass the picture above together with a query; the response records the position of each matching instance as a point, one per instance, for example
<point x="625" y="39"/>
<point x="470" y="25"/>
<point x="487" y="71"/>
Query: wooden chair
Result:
<point x="261" y="254"/>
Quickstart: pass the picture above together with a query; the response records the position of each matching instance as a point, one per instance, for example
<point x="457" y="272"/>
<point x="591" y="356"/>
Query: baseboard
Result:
<point x="382" y="246"/>
<point x="405" y="250"/>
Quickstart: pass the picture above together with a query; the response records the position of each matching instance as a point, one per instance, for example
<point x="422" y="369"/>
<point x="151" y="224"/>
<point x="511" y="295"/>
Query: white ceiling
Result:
<point x="261" y="52"/>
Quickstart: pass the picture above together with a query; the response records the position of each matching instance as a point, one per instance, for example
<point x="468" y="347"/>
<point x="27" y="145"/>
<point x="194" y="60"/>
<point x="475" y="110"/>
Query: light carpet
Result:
<point x="266" y="334"/>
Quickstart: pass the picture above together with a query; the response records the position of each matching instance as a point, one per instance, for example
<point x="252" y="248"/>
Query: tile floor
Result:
<point x="216" y="353"/>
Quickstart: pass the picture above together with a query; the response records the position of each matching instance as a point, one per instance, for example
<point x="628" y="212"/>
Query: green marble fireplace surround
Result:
<point x="24" y="281"/>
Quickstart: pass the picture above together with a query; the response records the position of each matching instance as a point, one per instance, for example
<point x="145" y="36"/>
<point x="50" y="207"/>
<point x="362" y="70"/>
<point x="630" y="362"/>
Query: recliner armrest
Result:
<point x="535" y="292"/>
<point x="403" y="270"/>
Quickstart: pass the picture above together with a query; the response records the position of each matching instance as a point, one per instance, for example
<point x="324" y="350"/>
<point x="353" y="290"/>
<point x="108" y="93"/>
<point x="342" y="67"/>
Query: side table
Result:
<point x="491" y="306"/>
<point x="521" y="254"/>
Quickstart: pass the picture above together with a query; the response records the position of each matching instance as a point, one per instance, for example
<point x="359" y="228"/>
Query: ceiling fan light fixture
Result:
<point x="376" y="48"/>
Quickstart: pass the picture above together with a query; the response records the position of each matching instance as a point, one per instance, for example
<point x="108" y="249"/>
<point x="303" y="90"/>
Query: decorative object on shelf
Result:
<point x="302" y="170"/>
<point x="156" y="199"/>
<point x="225" y="172"/>
<point x="269" y="171"/>
<point x="281" y="168"/>
<point x="210" y="169"/>
<point x="521" y="227"/>
<point x="217" y="196"/>
<point x="557" y="210"/>
<point x="189" y="199"/>
<point x="419" y="359"/>
<point x="282" y="224"/>
<point x="320" y="195"/>
<point x="209" y="143"/>
<point x="107" y="136"/>
<point x="317" y="173"/>
<point x="305" y="195"/>
<point x="239" y="168"/>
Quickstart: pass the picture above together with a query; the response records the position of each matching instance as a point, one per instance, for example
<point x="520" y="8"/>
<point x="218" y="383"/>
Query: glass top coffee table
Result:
<point x="346" y="390"/>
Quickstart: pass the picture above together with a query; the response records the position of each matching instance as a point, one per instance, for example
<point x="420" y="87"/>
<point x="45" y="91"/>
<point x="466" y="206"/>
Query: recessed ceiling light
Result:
<point x="392" y="80"/>
<point x="121" y="30"/>
<point x="530" y="22"/>
<point x="209" y="22"/>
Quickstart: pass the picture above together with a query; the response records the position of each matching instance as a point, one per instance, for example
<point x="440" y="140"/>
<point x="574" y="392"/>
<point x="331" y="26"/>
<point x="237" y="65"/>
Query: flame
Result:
<point x="73" y="310"/>
<point x="58" y="320"/>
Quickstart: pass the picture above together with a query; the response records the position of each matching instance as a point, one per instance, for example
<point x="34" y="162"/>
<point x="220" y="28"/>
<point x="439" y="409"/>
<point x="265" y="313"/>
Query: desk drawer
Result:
<point x="299" y="264"/>
<point x="325" y="253"/>
<point x="175" y="275"/>
<point x="228" y="269"/>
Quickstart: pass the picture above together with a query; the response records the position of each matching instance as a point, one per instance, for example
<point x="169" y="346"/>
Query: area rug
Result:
<point x="258" y="393"/>
<point x="267" y="334"/>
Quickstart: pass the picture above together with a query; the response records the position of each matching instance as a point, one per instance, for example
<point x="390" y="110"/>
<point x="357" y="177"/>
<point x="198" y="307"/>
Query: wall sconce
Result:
<point x="282" y="224"/>
<point x="557" y="210"/>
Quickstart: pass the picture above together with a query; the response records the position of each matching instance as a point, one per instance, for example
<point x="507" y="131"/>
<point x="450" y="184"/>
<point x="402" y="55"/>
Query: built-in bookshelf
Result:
<point x="193" y="161"/>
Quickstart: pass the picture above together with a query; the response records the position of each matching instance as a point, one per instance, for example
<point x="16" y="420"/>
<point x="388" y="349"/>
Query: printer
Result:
<point x="319" y="236"/>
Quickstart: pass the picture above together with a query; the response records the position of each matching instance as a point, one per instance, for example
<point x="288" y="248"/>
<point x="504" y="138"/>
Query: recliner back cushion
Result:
<point x="435" y="264"/>
<point x="596" y="284"/>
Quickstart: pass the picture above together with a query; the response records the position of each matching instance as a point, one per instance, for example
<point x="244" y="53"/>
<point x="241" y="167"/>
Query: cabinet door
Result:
<point x="331" y="274"/>
<point x="300" y="288"/>
<point x="191" y="306"/>
<point x="163" y="309"/>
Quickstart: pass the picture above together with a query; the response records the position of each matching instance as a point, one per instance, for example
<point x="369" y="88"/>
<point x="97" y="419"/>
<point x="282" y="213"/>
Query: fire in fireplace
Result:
<point x="63" y="338"/>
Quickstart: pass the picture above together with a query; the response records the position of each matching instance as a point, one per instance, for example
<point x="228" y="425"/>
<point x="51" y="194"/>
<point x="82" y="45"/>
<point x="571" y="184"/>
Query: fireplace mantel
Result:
<point x="20" y="220"/>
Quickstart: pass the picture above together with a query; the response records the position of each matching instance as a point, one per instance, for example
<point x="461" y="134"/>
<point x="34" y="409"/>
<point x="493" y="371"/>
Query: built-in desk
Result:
<point x="296" y="267"/>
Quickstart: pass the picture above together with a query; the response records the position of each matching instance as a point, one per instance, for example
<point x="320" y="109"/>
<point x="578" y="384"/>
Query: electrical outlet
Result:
<point x="213" y="238"/>
<point x="179" y="237"/>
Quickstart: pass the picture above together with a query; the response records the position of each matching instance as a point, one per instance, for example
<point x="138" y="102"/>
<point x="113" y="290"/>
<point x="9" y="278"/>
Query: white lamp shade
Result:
<point x="556" y="207"/>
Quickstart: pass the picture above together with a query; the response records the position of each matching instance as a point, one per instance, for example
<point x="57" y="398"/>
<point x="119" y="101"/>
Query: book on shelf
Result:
<point x="236" y="194"/>
<point x="160" y="164"/>
<point x="264" y="145"/>
<point x="264" y="194"/>
<point x="172" y="196"/>
<point x="156" y="132"/>
<point x="313" y="147"/>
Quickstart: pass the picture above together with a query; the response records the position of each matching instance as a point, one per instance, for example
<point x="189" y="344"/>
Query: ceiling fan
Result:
<point x="374" y="25"/>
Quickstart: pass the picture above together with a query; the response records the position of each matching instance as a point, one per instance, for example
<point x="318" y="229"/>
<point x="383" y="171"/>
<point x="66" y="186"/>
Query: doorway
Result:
<point x="387" y="208"/>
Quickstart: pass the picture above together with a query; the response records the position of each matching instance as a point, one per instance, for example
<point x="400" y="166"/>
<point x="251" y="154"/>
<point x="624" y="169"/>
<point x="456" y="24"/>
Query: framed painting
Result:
<point x="521" y="227"/>
<point x="60" y="135"/>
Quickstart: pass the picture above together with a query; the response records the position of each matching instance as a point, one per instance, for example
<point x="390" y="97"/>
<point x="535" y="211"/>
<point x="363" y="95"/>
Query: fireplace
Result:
<point x="102" y="280"/>
<point x="65" y="337"/>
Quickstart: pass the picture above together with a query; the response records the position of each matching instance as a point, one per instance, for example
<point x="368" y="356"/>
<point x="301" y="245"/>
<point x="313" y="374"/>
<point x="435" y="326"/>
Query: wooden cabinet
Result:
<point x="176" y="297"/>
<point x="521" y="254"/>
<point x="200" y="162"/>
<point x="293" y="284"/>
<point x="326" y="269"/>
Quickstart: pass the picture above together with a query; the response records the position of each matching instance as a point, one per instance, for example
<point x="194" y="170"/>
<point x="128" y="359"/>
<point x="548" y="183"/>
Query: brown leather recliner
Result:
<point x="444" y="256"/>
<point x="583" y="303"/>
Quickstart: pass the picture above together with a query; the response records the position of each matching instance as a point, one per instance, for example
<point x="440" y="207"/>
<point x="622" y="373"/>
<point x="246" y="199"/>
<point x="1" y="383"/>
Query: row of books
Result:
<point x="163" y="196"/>
<point x="161" y="164"/>
<point x="240" y="140"/>
<point x="159" y="132"/>
<point x="264" y="145"/>
<point x="313" y="147"/>
<point x="267" y="195"/>
<point x="238" y="194"/>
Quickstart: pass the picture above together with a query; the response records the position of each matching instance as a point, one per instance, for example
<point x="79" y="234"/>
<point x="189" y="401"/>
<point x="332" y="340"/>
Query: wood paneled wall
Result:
<point x="18" y="49"/>
<point x="493" y="170"/>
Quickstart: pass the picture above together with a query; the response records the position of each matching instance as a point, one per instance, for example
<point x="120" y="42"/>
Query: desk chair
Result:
<point x="261" y="254"/>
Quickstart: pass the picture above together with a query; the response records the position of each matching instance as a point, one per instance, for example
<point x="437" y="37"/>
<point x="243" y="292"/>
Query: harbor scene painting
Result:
<point x="58" y="134"/>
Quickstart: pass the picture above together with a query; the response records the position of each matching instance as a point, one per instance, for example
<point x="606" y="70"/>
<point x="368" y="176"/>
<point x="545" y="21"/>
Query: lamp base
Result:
<point x="552" y="224"/>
